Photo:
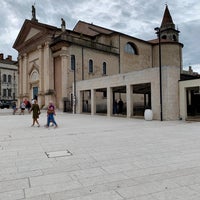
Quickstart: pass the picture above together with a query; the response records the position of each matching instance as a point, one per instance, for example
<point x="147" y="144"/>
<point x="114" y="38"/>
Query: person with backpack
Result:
<point x="50" y="115"/>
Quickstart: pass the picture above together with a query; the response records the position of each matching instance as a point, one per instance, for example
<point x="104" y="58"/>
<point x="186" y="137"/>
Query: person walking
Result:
<point x="14" y="107"/>
<point x="36" y="112"/>
<point x="50" y="115"/>
<point x="22" y="107"/>
<point x="28" y="105"/>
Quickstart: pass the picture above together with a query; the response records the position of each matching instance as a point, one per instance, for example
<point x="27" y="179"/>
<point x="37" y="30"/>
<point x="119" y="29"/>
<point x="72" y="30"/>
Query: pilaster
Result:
<point x="47" y="69"/>
<point x="64" y="60"/>
<point x="24" y="75"/>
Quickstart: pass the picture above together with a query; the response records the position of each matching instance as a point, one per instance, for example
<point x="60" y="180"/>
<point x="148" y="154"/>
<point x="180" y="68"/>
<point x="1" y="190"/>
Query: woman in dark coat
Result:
<point x="36" y="112"/>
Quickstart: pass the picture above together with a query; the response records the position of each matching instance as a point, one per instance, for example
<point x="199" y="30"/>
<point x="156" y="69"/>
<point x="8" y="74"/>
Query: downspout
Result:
<point x="119" y="55"/>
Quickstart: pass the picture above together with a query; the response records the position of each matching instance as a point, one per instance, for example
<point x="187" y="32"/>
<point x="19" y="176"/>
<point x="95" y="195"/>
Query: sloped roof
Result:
<point x="167" y="19"/>
<point x="91" y="29"/>
<point x="6" y="61"/>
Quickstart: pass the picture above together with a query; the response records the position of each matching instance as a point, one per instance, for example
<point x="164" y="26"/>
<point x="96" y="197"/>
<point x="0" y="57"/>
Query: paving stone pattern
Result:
<point x="112" y="158"/>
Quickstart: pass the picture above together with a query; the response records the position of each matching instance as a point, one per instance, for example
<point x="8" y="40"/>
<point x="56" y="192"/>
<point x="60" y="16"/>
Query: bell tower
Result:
<point x="167" y="29"/>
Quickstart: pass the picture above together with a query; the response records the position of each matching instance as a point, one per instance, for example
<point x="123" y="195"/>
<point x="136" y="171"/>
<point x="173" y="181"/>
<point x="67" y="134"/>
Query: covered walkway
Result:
<point x="138" y="90"/>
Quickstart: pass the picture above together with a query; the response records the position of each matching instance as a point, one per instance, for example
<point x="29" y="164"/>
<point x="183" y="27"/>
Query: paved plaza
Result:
<point x="98" y="158"/>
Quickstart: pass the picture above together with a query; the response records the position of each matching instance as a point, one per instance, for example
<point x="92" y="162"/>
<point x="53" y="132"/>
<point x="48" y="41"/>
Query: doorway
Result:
<point x="35" y="92"/>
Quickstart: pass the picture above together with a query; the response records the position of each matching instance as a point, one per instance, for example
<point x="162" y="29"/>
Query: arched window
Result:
<point x="9" y="78"/>
<point x="90" y="66"/>
<point x="174" y="38"/>
<point x="104" y="68"/>
<point x="131" y="48"/>
<point x="4" y="78"/>
<point x="73" y="62"/>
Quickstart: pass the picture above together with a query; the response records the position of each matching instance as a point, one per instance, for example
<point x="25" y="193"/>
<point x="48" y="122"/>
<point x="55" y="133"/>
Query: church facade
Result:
<point x="86" y="69"/>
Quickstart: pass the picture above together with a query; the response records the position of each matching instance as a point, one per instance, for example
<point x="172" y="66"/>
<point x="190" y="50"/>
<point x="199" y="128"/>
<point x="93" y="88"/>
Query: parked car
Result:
<point x="4" y="105"/>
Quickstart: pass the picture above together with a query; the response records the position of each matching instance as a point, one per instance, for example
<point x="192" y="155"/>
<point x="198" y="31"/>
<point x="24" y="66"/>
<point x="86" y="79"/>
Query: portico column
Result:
<point x="129" y="99"/>
<point x="183" y="101"/>
<point x="93" y="102"/>
<point x="79" y="95"/>
<point x="109" y="101"/>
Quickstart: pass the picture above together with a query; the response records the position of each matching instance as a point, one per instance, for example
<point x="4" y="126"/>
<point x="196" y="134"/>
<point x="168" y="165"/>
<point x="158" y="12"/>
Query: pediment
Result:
<point x="32" y="32"/>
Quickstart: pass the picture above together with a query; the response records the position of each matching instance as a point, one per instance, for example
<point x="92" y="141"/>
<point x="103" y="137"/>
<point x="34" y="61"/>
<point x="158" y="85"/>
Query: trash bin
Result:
<point x="148" y="115"/>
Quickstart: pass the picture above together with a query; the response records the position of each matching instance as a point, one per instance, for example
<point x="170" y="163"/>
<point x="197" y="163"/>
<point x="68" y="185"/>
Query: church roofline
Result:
<point x="105" y="31"/>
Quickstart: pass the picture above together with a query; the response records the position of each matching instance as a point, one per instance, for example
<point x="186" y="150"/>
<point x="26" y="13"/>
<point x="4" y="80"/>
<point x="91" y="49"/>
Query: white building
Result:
<point x="8" y="78"/>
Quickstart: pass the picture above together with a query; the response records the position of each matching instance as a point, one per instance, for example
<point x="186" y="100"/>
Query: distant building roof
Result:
<point x="190" y="74"/>
<point x="7" y="60"/>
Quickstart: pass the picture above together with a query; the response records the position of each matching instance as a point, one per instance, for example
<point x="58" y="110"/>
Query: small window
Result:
<point x="73" y="62"/>
<point x="131" y="48"/>
<point x="90" y="66"/>
<point x="9" y="78"/>
<point x="9" y="92"/>
<point x="4" y="92"/>
<point x="4" y="78"/>
<point x="104" y="68"/>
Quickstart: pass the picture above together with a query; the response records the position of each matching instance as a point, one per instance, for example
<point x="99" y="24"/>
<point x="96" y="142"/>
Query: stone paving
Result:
<point x="108" y="158"/>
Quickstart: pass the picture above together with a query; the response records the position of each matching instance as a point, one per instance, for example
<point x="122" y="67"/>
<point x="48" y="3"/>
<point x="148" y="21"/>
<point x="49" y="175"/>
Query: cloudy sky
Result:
<point x="137" y="18"/>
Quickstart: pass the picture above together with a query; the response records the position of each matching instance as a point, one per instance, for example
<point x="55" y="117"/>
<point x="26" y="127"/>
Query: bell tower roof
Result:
<point x="167" y="19"/>
<point x="167" y="28"/>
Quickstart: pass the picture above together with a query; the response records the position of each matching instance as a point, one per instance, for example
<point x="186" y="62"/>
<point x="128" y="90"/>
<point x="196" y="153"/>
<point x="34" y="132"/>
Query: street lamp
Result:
<point x="74" y="97"/>
<point x="14" y="87"/>
<point x="157" y="29"/>
<point x="73" y="65"/>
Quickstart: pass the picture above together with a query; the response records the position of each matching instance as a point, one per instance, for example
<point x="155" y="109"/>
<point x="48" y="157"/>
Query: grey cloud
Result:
<point x="190" y="36"/>
<point x="132" y="17"/>
<point x="119" y="25"/>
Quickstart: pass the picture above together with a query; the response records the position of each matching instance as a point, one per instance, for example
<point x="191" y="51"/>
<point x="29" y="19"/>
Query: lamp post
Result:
<point x="14" y="87"/>
<point x="157" y="29"/>
<point x="74" y="96"/>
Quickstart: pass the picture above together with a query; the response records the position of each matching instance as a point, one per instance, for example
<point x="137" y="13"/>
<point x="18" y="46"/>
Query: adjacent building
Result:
<point x="90" y="67"/>
<point x="8" y="79"/>
<point x="189" y="95"/>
